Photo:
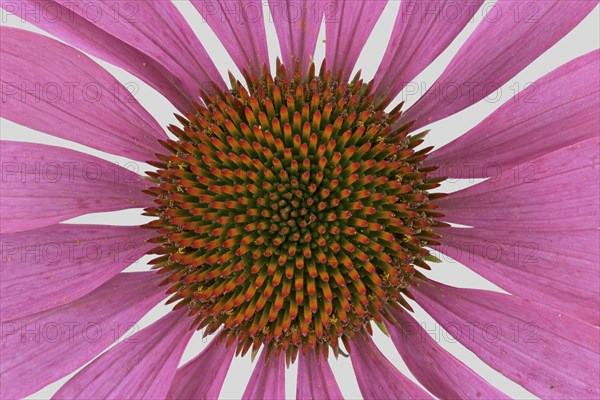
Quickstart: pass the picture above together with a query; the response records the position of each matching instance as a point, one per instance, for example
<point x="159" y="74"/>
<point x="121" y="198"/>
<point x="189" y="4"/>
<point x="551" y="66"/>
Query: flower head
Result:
<point x="295" y="211"/>
<point x="292" y="212"/>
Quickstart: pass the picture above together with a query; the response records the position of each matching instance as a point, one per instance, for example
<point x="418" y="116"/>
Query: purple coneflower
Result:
<point x="293" y="211"/>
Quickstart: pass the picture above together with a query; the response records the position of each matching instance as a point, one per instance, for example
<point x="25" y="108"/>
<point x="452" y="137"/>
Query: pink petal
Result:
<point x="558" y="269"/>
<point x="203" y="377"/>
<point x="51" y="266"/>
<point x="315" y="379"/>
<point x="499" y="49"/>
<point x="347" y="31"/>
<point x="439" y="371"/>
<point x="68" y="26"/>
<point x="552" y="355"/>
<point x="157" y="29"/>
<point x="558" y="110"/>
<point x="377" y="377"/>
<point x="421" y="33"/>
<point x="39" y="349"/>
<point x="297" y="23"/>
<point x="240" y="27"/>
<point x="62" y="92"/>
<point x="43" y="185"/>
<point x="558" y="191"/>
<point x="141" y="367"/>
<point x="268" y="379"/>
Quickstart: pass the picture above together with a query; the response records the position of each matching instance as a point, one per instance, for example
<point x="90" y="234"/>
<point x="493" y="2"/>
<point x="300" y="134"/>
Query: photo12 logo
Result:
<point x="252" y="11"/>
<point x="68" y="331"/>
<point x="68" y="92"/>
<point x="467" y="331"/>
<point x="51" y="172"/>
<point x="43" y="11"/>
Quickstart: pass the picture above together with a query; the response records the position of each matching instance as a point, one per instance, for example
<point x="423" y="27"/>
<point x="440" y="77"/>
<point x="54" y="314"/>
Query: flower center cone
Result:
<point x="291" y="211"/>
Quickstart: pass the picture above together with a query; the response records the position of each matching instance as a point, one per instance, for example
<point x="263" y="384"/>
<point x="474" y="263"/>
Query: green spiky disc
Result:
<point x="291" y="211"/>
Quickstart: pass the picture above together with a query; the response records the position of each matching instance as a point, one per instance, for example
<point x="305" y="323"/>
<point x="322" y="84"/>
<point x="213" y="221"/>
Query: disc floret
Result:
<point x="291" y="211"/>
